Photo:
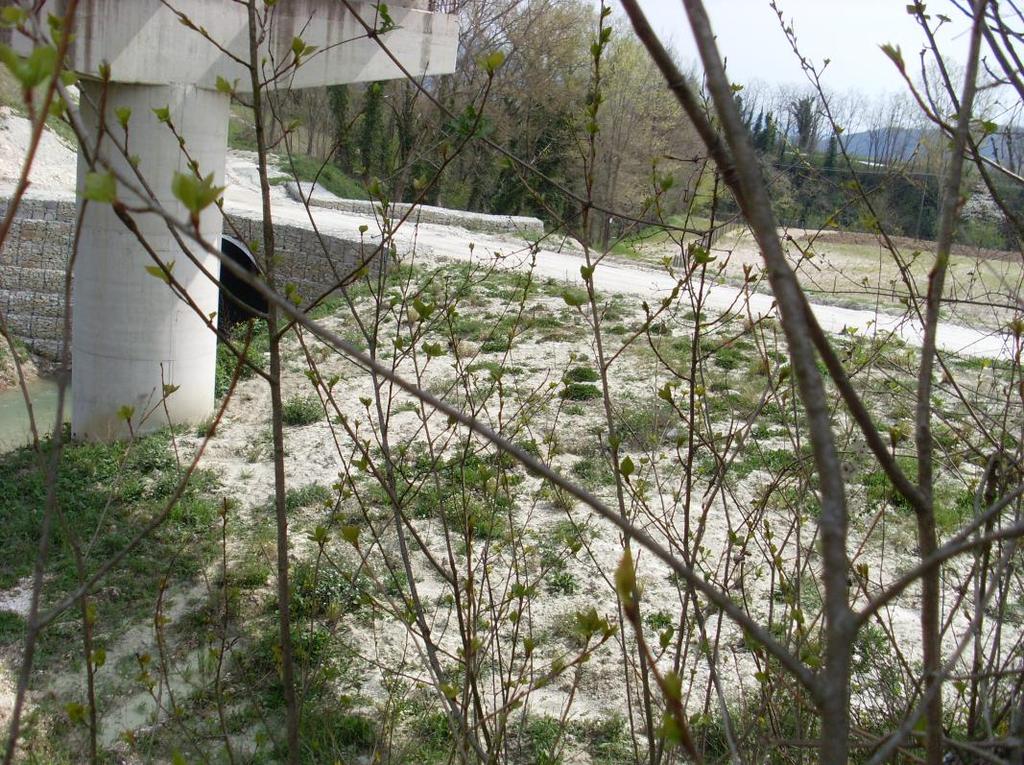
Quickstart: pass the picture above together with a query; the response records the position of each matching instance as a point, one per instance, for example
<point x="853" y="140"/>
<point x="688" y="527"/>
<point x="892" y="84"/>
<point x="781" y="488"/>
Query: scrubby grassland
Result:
<point x="404" y="525"/>
<point x="857" y="270"/>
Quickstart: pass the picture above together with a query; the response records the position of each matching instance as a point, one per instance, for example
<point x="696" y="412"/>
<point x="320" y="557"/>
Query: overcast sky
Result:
<point x="846" y="31"/>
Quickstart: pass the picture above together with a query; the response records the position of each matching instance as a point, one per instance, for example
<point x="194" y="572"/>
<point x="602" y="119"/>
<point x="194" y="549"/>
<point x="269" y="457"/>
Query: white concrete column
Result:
<point x="130" y="334"/>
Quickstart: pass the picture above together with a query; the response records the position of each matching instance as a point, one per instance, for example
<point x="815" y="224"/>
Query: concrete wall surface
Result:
<point x="145" y="42"/>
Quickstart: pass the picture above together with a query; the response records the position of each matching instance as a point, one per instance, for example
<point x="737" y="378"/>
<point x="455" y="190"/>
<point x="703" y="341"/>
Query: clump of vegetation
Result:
<point x="255" y="355"/>
<point x="328" y="175"/>
<point x="302" y="410"/>
<point x="317" y="589"/>
<point x="305" y="496"/>
<point x="582" y="375"/>
<point x="581" y="392"/>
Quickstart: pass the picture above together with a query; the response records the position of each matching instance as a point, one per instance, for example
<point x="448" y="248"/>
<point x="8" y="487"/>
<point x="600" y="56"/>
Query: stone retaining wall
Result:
<point x="317" y="196"/>
<point x="34" y="261"/>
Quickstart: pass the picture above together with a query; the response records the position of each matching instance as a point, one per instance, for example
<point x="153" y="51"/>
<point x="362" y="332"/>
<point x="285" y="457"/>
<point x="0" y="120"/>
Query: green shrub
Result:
<point x="227" y="361"/>
<point x="582" y="375"/>
<point x="581" y="392"/>
<point x="302" y="410"/>
<point x="304" y="496"/>
<point x="315" y="591"/>
<point x="12" y="627"/>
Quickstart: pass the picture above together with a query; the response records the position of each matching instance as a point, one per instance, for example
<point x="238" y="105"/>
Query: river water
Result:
<point x="14" y="422"/>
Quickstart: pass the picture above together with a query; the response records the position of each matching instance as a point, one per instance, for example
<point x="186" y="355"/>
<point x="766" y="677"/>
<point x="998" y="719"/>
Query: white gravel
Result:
<point x="55" y="165"/>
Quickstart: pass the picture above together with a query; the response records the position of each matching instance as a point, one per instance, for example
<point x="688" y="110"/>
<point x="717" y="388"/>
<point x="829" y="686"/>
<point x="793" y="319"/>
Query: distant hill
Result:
<point x="884" y="144"/>
<point x="899" y="144"/>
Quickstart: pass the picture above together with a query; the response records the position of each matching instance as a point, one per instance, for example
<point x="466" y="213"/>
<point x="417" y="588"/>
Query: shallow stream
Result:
<point x="14" y="422"/>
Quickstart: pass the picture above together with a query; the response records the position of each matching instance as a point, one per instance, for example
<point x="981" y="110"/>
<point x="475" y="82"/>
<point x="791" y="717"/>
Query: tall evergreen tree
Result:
<point x="338" y="96"/>
<point x="830" y="155"/>
<point x="371" y="136"/>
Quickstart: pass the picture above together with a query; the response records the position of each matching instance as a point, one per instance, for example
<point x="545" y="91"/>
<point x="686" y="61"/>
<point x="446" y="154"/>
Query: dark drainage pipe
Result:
<point x="238" y="301"/>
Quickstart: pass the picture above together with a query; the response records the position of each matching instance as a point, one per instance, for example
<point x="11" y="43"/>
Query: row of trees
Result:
<point x="532" y="109"/>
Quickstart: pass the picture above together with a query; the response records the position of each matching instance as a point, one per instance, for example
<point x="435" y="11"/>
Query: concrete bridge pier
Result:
<point x="131" y="335"/>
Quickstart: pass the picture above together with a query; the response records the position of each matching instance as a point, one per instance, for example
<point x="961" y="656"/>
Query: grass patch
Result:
<point x="12" y="627"/>
<point x="107" y="492"/>
<point x="581" y="392"/>
<point x="593" y="471"/>
<point x="227" y="361"/>
<point x="310" y="494"/>
<point x="582" y="375"/>
<point x="645" y="425"/>
<point x="302" y="410"/>
<point x="329" y="176"/>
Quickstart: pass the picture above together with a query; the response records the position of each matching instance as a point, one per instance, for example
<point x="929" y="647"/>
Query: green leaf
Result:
<point x="626" y="467"/>
<point x="665" y="393"/>
<point x="700" y="255"/>
<point x="386" y="22"/>
<point x="13" y="16"/>
<point x="351" y="535"/>
<point x="160" y="273"/>
<point x="126" y="413"/>
<point x="422" y="309"/>
<point x="574" y="297"/>
<point x="194" y="193"/>
<point x="433" y="350"/>
<point x="895" y="55"/>
<point x="163" y="113"/>
<point x="31" y="70"/>
<point x="670" y="731"/>
<point x="588" y="624"/>
<point x="124" y="113"/>
<point x="493" y="61"/>
<point x="673" y="686"/>
<point x="625" y="578"/>
<point x="224" y="86"/>
<point x="100" y="187"/>
<point x="99" y="657"/>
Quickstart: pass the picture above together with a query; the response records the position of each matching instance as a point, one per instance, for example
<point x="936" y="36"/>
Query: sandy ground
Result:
<point x="55" y="165"/>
